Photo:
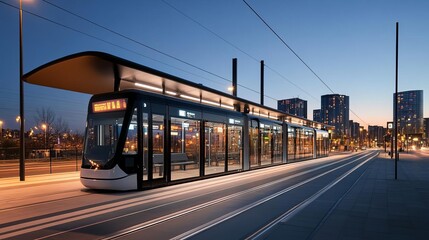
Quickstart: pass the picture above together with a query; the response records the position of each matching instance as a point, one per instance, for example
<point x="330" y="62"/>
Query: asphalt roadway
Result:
<point x="10" y="168"/>
<point x="347" y="196"/>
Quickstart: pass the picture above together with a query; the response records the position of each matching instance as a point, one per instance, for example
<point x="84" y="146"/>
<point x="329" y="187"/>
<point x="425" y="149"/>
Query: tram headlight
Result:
<point x="94" y="165"/>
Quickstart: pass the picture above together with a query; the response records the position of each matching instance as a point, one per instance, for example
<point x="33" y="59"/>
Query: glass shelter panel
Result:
<point x="215" y="148"/>
<point x="185" y="148"/>
<point x="235" y="153"/>
<point x="322" y="143"/>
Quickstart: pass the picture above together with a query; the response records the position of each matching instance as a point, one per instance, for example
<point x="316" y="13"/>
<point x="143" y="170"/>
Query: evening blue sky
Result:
<point x="349" y="44"/>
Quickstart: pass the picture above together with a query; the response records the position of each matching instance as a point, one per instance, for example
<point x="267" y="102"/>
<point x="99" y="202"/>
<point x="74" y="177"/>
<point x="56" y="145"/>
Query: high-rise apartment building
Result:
<point x="293" y="106"/>
<point x="410" y="112"/>
<point x="354" y="130"/>
<point x="316" y="115"/>
<point x="335" y="112"/>
<point x="376" y="135"/>
<point x="426" y="130"/>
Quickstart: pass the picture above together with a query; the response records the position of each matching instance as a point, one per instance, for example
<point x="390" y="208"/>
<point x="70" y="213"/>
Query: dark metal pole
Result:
<point x="262" y="82"/>
<point x="396" y="105"/>
<point x="234" y="77"/>
<point x="76" y="158"/>
<point x="50" y="160"/>
<point x="21" y="103"/>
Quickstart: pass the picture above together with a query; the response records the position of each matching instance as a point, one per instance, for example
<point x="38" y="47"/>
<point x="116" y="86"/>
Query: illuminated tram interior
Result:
<point x="180" y="141"/>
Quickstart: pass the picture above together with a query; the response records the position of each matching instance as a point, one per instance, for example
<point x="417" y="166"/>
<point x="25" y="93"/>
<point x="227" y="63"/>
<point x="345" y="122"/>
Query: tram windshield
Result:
<point x="102" y="138"/>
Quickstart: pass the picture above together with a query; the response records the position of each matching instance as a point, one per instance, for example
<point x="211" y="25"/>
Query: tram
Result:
<point x="136" y="139"/>
<point x="156" y="129"/>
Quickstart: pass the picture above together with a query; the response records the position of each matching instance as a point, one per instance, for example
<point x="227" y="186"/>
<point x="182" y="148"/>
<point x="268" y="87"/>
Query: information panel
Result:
<point x="109" y="105"/>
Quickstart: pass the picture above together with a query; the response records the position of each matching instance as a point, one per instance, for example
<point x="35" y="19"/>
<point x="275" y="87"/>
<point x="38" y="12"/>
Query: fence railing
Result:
<point x="40" y="161"/>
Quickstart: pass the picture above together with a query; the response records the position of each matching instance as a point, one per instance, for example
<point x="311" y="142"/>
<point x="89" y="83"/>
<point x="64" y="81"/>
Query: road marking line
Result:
<point x="299" y="207"/>
<point x="228" y="216"/>
<point x="192" y="209"/>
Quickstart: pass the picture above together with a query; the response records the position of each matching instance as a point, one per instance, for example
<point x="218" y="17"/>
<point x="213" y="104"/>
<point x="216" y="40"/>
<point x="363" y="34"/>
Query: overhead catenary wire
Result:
<point x="281" y="39"/>
<point x="107" y="42"/>
<point x="133" y="40"/>
<point x="147" y="46"/>
<point x="296" y="54"/>
<point x="236" y="47"/>
<point x="112" y="44"/>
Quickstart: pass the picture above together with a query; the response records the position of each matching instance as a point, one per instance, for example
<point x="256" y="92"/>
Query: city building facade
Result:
<point x="293" y="106"/>
<point x="335" y="112"/>
<point x="410" y="118"/>
<point x="426" y="130"/>
<point x="354" y="132"/>
<point x="410" y="112"/>
<point x="376" y="136"/>
<point x="317" y="117"/>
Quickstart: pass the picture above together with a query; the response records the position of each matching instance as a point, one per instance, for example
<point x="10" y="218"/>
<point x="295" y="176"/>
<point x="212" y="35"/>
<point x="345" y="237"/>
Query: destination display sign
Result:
<point x="109" y="105"/>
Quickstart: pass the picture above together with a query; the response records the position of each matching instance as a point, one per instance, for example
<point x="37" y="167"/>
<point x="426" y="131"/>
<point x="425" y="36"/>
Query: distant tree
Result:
<point x="60" y="126"/>
<point x="55" y="127"/>
<point x="61" y="130"/>
<point x="44" y="116"/>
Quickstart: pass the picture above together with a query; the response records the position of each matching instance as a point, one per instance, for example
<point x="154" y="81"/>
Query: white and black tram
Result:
<point x="152" y="129"/>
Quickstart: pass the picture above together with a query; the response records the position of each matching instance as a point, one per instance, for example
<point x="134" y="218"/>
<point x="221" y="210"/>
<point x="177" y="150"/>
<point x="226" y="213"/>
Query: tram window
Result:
<point x="253" y="138"/>
<point x="266" y="143"/>
<point x="277" y="143"/>
<point x="102" y="138"/>
<point x="130" y="146"/>
<point x="185" y="148"/>
<point x="291" y="143"/>
<point x="215" y="147"/>
<point x="235" y="157"/>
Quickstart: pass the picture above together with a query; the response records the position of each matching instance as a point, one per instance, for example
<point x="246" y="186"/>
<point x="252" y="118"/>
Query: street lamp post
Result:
<point x="1" y="128"/>
<point x="44" y="127"/>
<point x="21" y="102"/>
<point x="395" y="120"/>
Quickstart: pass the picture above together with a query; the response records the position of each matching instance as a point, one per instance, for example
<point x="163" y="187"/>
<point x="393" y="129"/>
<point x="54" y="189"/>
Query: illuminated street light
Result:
<point x="1" y="129"/>
<point x="44" y="127"/>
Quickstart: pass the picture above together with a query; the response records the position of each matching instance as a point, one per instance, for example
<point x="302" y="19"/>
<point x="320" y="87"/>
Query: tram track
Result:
<point x="286" y="216"/>
<point x="136" y="228"/>
<point x="161" y="195"/>
<point x="251" y="174"/>
<point x="202" y="206"/>
<point x="291" y="211"/>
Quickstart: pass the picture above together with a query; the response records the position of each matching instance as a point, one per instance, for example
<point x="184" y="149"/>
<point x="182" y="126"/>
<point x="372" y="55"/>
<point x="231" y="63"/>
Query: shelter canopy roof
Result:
<point x="98" y="72"/>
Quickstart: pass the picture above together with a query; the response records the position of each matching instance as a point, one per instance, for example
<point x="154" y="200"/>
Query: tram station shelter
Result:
<point x="213" y="131"/>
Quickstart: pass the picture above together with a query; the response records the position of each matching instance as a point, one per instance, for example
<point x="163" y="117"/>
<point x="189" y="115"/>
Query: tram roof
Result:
<point x="99" y="72"/>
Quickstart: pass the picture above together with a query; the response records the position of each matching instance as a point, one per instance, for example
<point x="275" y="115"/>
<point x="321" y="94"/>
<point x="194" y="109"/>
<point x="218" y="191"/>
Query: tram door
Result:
<point x="157" y="145"/>
<point x="153" y="141"/>
<point x="145" y="142"/>
<point x="158" y="162"/>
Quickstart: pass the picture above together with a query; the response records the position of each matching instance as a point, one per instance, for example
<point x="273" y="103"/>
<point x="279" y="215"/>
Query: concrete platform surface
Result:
<point x="370" y="205"/>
